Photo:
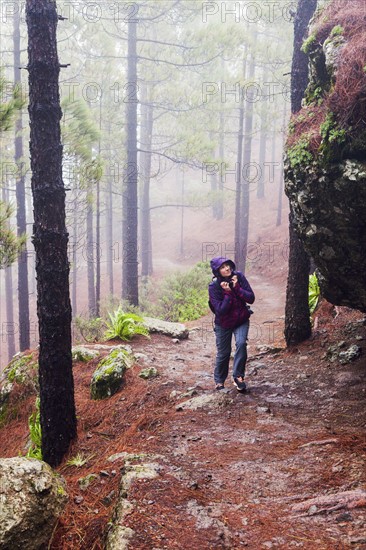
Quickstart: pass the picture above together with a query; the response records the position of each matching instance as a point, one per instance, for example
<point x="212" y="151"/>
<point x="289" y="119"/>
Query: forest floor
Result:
<point x="230" y="470"/>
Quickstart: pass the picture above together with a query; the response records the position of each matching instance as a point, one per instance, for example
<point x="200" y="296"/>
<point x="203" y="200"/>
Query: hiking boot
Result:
<point x="240" y="384"/>
<point x="219" y="387"/>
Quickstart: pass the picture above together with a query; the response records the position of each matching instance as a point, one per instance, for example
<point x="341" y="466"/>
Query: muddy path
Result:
<point x="195" y="468"/>
<point x="232" y="468"/>
<point x="188" y="467"/>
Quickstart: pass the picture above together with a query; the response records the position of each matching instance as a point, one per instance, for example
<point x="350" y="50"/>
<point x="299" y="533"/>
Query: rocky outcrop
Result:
<point x="119" y="535"/>
<point x="32" y="498"/>
<point x="325" y="161"/>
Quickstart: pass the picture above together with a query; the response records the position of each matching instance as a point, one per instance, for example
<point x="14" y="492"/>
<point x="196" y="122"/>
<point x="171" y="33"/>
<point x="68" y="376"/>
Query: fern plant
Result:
<point x="124" y="325"/>
<point x="35" y="432"/>
<point x="314" y="292"/>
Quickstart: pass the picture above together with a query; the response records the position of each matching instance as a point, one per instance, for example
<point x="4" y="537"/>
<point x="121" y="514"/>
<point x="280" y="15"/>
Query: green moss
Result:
<point x="83" y="354"/>
<point x="61" y="491"/>
<point x="150" y="372"/>
<point x="333" y="139"/>
<point x="107" y="378"/>
<point x="299" y="154"/>
<point x="338" y="30"/>
<point x="15" y="371"/>
<point x="308" y="43"/>
<point x="314" y="96"/>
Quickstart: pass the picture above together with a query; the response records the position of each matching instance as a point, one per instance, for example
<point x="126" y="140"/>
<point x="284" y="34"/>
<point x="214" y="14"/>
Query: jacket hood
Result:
<point x="216" y="263"/>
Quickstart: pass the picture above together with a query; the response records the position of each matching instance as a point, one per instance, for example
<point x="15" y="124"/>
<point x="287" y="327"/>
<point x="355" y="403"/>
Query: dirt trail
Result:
<point x="230" y="470"/>
<point x="232" y="467"/>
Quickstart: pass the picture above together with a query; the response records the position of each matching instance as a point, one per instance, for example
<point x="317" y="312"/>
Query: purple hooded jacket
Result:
<point x="230" y="305"/>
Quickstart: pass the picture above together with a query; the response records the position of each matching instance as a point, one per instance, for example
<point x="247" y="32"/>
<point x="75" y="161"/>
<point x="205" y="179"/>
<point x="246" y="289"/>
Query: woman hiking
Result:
<point x="229" y="294"/>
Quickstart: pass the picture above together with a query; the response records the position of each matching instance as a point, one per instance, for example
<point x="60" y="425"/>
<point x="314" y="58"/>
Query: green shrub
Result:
<point x="314" y="292"/>
<point x="91" y="330"/>
<point x="184" y="296"/>
<point x="125" y="325"/>
<point x="35" y="432"/>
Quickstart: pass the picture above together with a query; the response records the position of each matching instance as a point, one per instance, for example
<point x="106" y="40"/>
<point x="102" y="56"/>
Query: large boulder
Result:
<point x="108" y="377"/>
<point x="32" y="498"/>
<point x="175" y="330"/>
<point x="325" y="163"/>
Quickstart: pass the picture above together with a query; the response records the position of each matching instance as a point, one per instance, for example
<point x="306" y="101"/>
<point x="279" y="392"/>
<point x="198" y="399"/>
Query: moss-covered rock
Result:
<point x="80" y="353"/>
<point x="22" y="370"/>
<point x="32" y="498"/>
<point x="325" y="165"/>
<point x="108" y="377"/>
<point x="149" y="372"/>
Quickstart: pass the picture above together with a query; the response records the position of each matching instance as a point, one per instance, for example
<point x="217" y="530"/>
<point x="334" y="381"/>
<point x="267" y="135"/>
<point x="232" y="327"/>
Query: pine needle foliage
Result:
<point x="10" y="244"/>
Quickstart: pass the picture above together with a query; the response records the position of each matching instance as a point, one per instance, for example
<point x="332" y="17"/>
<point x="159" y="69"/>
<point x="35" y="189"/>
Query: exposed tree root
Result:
<point x="330" y="503"/>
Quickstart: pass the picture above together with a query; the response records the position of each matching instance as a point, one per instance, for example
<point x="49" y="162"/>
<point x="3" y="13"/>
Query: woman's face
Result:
<point x="225" y="270"/>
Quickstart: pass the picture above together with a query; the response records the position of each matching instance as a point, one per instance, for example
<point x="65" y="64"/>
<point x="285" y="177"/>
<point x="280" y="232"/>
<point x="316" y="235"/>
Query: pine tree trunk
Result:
<point x="130" y="219"/>
<point x="50" y="238"/>
<point x="181" y="248"/>
<point x="109" y="233"/>
<point x="220" y="202"/>
<point x="239" y="181"/>
<point x="297" y="315"/>
<point x="10" y="311"/>
<point x="245" y="167"/>
<point x="74" y="262"/>
<point x="146" y="142"/>
<point x="282" y="173"/>
<point x="262" y="145"/>
<point x="97" y="230"/>
<point x="90" y="257"/>
<point x="23" y="291"/>
<point x="97" y="253"/>
<point x="10" y="325"/>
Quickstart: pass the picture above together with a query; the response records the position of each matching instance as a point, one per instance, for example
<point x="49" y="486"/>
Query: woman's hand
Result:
<point x="234" y="280"/>
<point x="225" y="286"/>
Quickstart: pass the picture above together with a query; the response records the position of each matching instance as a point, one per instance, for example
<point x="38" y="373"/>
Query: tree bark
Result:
<point x="297" y="314"/>
<point x="92" y="307"/>
<point x="262" y="144"/>
<point x="23" y="291"/>
<point x="130" y="218"/>
<point x="97" y="228"/>
<point x="245" y="171"/>
<point x="239" y="156"/>
<point x="8" y="275"/>
<point x="146" y="142"/>
<point x="282" y="173"/>
<point x="109" y="233"/>
<point x="50" y="238"/>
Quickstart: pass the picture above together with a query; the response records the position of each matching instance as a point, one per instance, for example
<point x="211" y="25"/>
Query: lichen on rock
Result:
<point x="32" y="498"/>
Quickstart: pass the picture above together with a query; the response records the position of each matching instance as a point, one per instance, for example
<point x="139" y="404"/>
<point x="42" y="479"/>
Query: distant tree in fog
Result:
<point x="10" y="245"/>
